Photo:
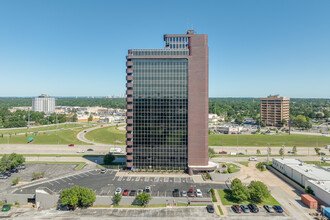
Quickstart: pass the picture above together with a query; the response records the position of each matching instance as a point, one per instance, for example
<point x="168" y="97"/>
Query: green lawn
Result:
<point x="61" y="137"/>
<point x="319" y="163"/>
<point x="245" y="163"/>
<point x="274" y="140"/>
<point x="46" y="128"/>
<point x="227" y="199"/>
<point x="107" y="135"/>
<point x="80" y="164"/>
<point x="111" y="135"/>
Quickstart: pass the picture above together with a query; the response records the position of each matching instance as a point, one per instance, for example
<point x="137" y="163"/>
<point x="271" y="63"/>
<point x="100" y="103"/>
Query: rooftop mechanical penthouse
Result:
<point x="167" y="105"/>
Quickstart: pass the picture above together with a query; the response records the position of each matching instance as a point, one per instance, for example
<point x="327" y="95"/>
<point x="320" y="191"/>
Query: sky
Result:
<point x="79" y="47"/>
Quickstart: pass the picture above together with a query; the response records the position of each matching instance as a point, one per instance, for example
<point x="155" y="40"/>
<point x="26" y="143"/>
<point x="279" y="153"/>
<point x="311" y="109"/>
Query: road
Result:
<point x="55" y="149"/>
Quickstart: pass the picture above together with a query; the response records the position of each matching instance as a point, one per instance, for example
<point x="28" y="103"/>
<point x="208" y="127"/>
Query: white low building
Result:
<point x="311" y="175"/>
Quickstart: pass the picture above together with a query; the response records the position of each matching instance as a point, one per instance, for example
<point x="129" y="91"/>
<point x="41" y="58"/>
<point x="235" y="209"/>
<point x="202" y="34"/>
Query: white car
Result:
<point x="199" y="193"/>
<point x="184" y="193"/>
<point x="80" y="151"/>
<point x="253" y="159"/>
<point x="325" y="158"/>
<point x="139" y="191"/>
<point x="118" y="191"/>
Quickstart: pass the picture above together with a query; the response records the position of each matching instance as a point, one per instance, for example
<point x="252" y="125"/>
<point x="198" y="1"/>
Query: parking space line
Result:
<point x="74" y="177"/>
<point x="63" y="180"/>
<point x="156" y="179"/>
<point x="85" y="174"/>
<point x="119" y="178"/>
<point x="128" y="178"/>
<point x="69" y="179"/>
<point x="177" y="180"/>
<point x="132" y="179"/>
<point x="51" y="183"/>
<point x="137" y="179"/>
<point x="147" y="179"/>
<point x="56" y="181"/>
<point x="166" y="179"/>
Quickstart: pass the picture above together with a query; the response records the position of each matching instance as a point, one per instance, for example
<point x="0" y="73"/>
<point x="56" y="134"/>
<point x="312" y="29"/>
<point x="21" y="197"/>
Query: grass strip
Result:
<point x="220" y="210"/>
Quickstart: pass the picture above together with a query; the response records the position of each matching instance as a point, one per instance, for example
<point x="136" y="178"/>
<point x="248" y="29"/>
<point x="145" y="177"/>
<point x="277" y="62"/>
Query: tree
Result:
<point x="258" y="191"/>
<point x="77" y="196"/>
<point x="299" y="121"/>
<point x="15" y="181"/>
<point x="281" y="152"/>
<point x="90" y="118"/>
<point x="74" y="117"/>
<point x="116" y="199"/>
<point x="239" y="191"/>
<point x="294" y="150"/>
<point x="108" y="158"/>
<point x="143" y="197"/>
<point x="317" y="150"/>
<point x="258" y="151"/>
<point x="211" y="152"/>
<point x="309" y="190"/>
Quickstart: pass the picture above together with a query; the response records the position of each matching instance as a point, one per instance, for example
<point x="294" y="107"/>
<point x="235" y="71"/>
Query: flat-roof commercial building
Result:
<point x="167" y="105"/>
<point x="274" y="109"/>
<point x="43" y="103"/>
<point x="311" y="175"/>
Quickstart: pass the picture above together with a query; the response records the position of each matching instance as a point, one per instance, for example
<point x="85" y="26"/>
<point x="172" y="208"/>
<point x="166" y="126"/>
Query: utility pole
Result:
<point x="28" y="125"/>
<point x="268" y="154"/>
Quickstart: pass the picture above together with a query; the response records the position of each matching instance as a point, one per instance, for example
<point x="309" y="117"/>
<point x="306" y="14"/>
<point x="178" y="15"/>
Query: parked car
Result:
<point x="147" y="189"/>
<point x="253" y="207"/>
<point x="321" y="153"/>
<point x="223" y="152"/>
<point x="176" y="193"/>
<point x="240" y="153"/>
<point x="6" y="208"/>
<point x="253" y="159"/>
<point x="269" y="208"/>
<point x="290" y="152"/>
<point x="132" y="193"/>
<point x="21" y="167"/>
<point x="191" y="193"/>
<point x="14" y="170"/>
<point x="90" y="149"/>
<point x="237" y="208"/>
<point x="245" y="208"/>
<point x="103" y="170"/>
<point x="71" y="145"/>
<point x="184" y="193"/>
<point x="139" y="191"/>
<point x="62" y="207"/>
<point x="199" y="193"/>
<point x="118" y="191"/>
<point x="325" y="158"/>
<point x="3" y="176"/>
<point x="126" y="192"/>
<point x="7" y="174"/>
<point x="80" y="151"/>
<point x="278" y="208"/>
<point x="210" y="208"/>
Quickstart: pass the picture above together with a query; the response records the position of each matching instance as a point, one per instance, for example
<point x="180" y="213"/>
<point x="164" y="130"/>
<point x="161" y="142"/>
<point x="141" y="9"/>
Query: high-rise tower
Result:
<point x="167" y="105"/>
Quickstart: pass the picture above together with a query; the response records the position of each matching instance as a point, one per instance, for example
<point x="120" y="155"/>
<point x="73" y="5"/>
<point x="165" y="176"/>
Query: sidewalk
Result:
<point x="151" y="174"/>
<point x="219" y="203"/>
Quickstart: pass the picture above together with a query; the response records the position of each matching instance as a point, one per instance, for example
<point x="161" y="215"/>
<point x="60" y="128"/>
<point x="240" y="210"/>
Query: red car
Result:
<point x="222" y="152"/>
<point x="125" y="192"/>
<point x="237" y="208"/>
<point x="191" y="193"/>
<point x="71" y="145"/>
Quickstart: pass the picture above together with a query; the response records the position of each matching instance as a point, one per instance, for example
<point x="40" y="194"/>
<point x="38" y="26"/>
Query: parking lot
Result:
<point x="106" y="183"/>
<point x="51" y="171"/>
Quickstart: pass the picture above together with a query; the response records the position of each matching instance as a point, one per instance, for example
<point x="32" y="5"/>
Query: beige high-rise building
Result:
<point x="274" y="109"/>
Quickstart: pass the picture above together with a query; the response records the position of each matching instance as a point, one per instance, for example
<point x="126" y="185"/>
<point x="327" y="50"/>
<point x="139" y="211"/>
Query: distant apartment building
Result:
<point x="167" y="105"/>
<point x="43" y="103"/>
<point x="274" y="109"/>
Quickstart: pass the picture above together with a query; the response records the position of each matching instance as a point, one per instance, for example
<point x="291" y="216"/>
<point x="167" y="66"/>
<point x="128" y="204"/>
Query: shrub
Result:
<point x="260" y="166"/>
<point x="309" y="190"/>
<point x="15" y="181"/>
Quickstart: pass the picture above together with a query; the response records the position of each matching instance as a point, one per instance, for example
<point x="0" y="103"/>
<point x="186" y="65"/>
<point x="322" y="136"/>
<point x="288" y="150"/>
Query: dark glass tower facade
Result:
<point x="160" y="112"/>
